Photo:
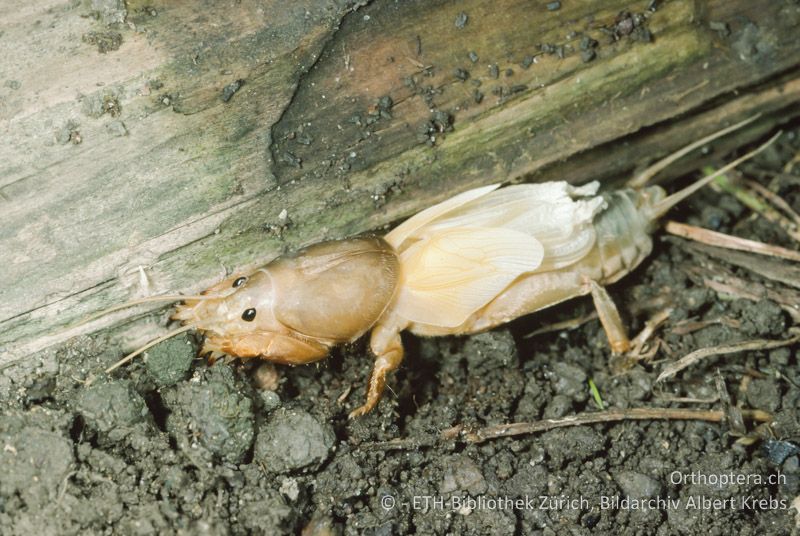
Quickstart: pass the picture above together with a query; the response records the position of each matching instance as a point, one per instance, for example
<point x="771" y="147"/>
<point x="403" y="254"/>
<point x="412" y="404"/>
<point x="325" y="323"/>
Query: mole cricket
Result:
<point x="473" y="262"/>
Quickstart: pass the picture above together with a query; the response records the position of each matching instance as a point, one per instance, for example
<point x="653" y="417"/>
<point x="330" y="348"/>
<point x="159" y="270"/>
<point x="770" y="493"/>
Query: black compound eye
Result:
<point x="249" y="315"/>
<point x="239" y="282"/>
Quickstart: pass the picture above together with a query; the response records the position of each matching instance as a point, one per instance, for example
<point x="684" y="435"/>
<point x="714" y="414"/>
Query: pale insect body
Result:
<point x="468" y="264"/>
<point x="291" y="310"/>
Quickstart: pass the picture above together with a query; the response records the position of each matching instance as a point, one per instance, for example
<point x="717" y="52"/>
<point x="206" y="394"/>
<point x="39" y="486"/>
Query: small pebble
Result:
<point x="291" y="159"/>
<point x="763" y="394"/>
<point x="777" y="451"/>
<point x="385" y="103"/>
<point x="569" y="380"/>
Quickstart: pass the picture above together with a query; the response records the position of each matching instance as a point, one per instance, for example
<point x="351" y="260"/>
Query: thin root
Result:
<point x="685" y="327"/>
<point x="455" y="433"/>
<point x="687" y="399"/>
<point x="776" y="200"/>
<point x="775" y="270"/>
<point x="757" y="204"/>
<point x="674" y="414"/>
<point x="718" y="278"/>
<point x="703" y="353"/>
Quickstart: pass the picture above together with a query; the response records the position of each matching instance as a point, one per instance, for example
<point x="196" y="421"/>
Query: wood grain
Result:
<point x="193" y="184"/>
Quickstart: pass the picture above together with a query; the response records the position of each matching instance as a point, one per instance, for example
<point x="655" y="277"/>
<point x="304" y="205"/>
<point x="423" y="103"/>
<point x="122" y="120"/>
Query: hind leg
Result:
<point x="610" y="319"/>
<point x="539" y="291"/>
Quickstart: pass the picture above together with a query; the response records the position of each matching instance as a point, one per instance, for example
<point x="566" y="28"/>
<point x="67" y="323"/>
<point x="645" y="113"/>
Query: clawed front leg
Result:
<point x="388" y="349"/>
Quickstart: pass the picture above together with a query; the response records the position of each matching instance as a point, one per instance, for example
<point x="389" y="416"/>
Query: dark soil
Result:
<point x="170" y="445"/>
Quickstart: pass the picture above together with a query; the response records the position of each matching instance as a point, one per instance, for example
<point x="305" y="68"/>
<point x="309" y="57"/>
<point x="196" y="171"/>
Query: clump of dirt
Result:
<point x="170" y="444"/>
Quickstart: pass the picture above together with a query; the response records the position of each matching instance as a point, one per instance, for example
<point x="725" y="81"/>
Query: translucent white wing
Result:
<point x="556" y="214"/>
<point x="398" y="235"/>
<point x="449" y="276"/>
<point x="576" y="246"/>
<point x="542" y="210"/>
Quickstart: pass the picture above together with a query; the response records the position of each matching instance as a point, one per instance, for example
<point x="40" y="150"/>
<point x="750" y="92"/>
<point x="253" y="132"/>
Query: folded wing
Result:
<point x="450" y="275"/>
<point x="459" y="255"/>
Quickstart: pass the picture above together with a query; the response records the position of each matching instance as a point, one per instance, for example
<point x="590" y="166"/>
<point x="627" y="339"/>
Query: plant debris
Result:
<point x="713" y="238"/>
<point x="523" y="428"/>
<point x="723" y="349"/>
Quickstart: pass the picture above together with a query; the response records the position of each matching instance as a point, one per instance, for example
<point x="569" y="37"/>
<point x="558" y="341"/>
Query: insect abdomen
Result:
<point x="623" y="237"/>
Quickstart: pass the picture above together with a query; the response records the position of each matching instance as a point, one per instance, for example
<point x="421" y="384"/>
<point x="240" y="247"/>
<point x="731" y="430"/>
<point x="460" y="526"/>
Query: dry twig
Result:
<point x="775" y="199"/>
<point x="756" y="202"/>
<point x="641" y="349"/>
<point x="734" y="414"/>
<point x="743" y="346"/>
<point x="687" y="399"/>
<point x="713" y="238"/>
<point x="774" y="269"/>
<point x="520" y="428"/>
<point x="719" y="279"/>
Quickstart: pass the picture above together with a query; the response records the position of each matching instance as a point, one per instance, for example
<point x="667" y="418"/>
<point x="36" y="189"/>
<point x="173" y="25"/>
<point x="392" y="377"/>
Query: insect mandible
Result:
<point x="470" y="263"/>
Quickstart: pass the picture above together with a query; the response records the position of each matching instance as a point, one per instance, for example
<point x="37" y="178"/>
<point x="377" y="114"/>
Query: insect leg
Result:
<point x="388" y="349"/>
<point x="609" y="317"/>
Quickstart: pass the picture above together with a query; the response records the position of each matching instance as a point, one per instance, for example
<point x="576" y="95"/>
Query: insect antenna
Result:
<point x="644" y="177"/>
<point x="147" y="346"/>
<point x="662" y="207"/>
<point x="151" y="299"/>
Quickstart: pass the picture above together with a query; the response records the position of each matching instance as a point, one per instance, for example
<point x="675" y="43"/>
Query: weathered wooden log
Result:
<point x="152" y="146"/>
